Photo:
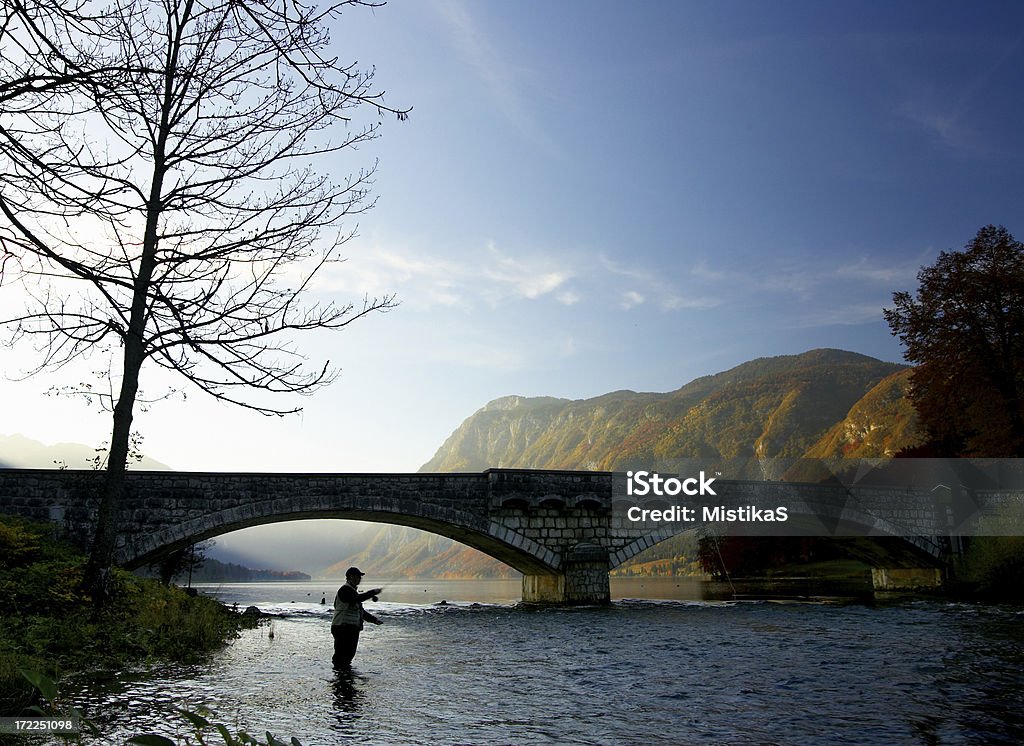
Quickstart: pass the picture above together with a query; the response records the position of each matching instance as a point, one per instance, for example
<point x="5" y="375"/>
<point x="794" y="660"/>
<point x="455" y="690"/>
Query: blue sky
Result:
<point x="591" y="196"/>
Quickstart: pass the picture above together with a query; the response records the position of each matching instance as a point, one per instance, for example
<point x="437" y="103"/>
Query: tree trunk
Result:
<point x="101" y="558"/>
<point x="104" y="544"/>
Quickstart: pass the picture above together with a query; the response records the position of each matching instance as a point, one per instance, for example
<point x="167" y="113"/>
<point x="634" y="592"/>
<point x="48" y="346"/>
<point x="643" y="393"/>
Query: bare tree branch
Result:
<point x="159" y="156"/>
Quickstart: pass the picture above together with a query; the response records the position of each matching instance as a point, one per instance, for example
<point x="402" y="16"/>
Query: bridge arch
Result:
<point x="559" y="528"/>
<point x="514" y="549"/>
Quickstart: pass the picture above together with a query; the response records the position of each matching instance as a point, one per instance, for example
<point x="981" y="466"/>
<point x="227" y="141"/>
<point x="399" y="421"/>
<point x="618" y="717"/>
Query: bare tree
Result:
<point x="39" y="56"/>
<point x="159" y="204"/>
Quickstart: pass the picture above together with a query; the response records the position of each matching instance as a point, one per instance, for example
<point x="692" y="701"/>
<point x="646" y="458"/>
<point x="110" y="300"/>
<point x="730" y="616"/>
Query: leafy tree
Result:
<point x="964" y="332"/>
<point x="158" y="201"/>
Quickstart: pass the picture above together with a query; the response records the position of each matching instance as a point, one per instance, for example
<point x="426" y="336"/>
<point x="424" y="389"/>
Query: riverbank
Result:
<point x="49" y="628"/>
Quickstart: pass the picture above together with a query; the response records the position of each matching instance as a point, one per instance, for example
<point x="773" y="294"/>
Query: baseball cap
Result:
<point x="354" y="571"/>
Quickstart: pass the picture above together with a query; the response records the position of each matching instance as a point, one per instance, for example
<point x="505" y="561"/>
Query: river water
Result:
<point x="482" y="669"/>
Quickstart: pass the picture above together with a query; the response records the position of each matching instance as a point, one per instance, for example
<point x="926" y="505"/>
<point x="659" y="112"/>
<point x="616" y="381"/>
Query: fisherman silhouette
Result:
<point x="349" y="616"/>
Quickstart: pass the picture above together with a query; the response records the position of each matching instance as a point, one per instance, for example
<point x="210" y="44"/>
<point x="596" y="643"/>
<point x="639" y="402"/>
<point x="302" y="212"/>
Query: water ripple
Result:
<point x="635" y="672"/>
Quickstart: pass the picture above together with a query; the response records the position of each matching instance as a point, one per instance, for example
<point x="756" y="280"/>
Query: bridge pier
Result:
<point x="544" y="589"/>
<point x="906" y="579"/>
<point x="584" y="581"/>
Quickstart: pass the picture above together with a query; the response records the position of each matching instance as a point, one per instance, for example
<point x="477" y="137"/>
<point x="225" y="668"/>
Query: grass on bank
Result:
<point x="47" y="625"/>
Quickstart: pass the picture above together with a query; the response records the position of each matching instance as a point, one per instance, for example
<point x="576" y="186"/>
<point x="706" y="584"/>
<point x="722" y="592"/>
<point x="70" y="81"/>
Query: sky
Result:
<point x="591" y="196"/>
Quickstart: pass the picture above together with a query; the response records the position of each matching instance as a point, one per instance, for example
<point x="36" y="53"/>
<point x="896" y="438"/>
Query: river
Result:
<point x="482" y="669"/>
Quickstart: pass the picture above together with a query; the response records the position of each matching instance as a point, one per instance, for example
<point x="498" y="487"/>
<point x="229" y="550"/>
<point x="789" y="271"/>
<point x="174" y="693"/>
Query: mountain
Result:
<point x="823" y="403"/>
<point x="882" y="423"/>
<point x="395" y="551"/>
<point x="780" y="406"/>
<point x="19" y="452"/>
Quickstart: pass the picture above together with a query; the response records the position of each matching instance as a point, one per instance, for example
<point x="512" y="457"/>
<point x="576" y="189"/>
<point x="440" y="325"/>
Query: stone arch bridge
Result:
<point x="559" y="528"/>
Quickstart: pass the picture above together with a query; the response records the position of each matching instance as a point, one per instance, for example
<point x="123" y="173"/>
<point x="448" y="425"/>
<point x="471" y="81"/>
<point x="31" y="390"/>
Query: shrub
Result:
<point x="48" y="625"/>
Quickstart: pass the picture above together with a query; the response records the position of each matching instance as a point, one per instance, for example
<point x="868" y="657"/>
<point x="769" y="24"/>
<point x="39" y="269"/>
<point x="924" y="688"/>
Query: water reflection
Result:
<point x="349" y="693"/>
<point x="635" y="672"/>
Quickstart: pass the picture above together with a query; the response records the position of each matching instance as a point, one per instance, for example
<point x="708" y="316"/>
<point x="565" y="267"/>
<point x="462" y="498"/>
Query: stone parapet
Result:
<point x="559" y="528"/>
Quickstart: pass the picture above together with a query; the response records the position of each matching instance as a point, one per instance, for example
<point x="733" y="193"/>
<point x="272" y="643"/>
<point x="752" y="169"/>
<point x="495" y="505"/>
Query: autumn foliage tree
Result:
<point x="963" y="331"/>
<point x="160" y="203"/>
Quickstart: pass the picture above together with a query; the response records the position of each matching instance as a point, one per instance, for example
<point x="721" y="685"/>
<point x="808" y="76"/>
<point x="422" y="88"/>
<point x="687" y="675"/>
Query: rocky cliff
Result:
<point x="781" y="406"/>
<point x="822" y="403"/>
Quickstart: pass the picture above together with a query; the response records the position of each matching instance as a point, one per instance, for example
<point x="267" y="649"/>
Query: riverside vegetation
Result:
<point x="49" y="627"/>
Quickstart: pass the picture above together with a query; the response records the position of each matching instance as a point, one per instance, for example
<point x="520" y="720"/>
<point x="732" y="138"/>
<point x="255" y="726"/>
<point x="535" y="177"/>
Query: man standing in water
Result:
<point x="349" y="616"/>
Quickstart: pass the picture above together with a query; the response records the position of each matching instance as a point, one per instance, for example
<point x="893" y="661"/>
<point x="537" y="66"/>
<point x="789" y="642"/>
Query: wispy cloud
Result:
<point x="943" y="125"/>
<point x="378" y="271"/>
<point x="493" y="277"/>
<point x="816" y="294"/>
<point x="703" y="271"/>
<point x="894" y="275"/>
<point x="428" y="279"/>
<point x="528" y="278"/>
<point x="569" y="297"/>
<point x="808" y="281"/>
<point x="630" y="299"/>
<point x="842" y="314"/>
<point x="466" y="350"/>
<point x="638" y="285"/>
<point x="949" y="117"/>
<point x="500" y="79"/>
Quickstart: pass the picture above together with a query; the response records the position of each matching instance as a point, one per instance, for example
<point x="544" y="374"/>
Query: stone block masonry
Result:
<point x="556" y="527"/>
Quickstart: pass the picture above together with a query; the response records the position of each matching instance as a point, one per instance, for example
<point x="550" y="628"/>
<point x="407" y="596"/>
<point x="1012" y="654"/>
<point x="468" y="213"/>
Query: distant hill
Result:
<point x="881" y="423"/>
<point x="781" y="406"/>
<point x="823" y="403"/>
<point x="19" y="452"/>
<point x="395" y="551"/>
<point x="209" y="570"/>
<point x="213" y="571"/>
